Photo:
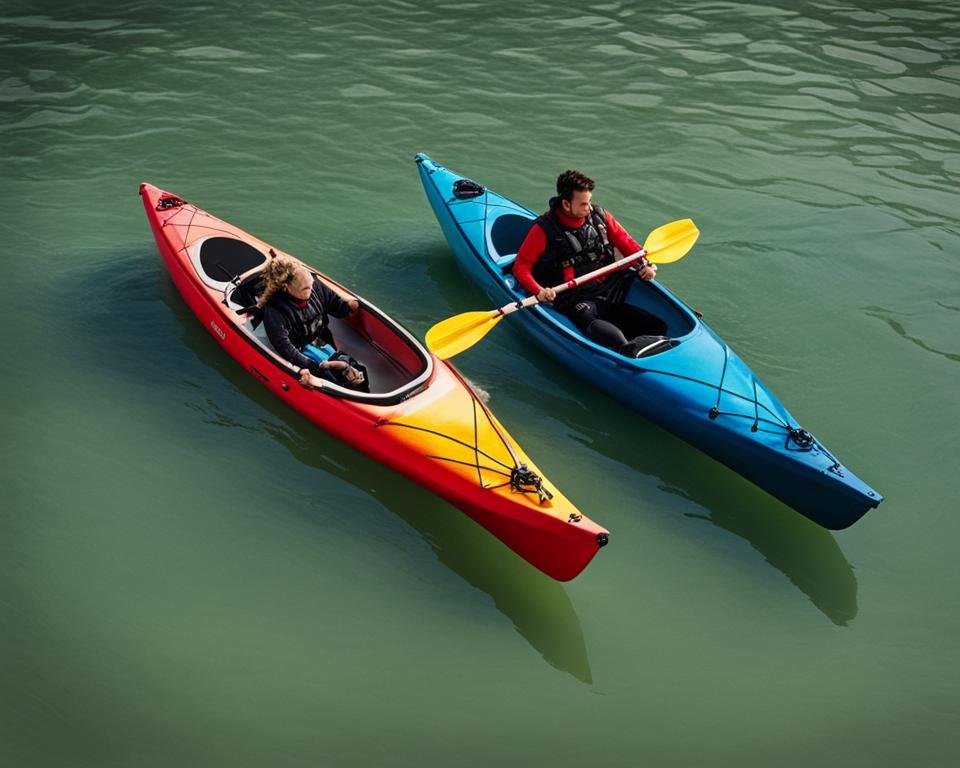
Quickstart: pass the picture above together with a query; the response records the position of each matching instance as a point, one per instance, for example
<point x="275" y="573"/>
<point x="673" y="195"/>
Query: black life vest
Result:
<point x="584" y="249"/>
<point x="305" y="324"/>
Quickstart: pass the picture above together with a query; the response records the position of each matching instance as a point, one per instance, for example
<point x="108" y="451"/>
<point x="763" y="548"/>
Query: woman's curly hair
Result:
<point x="277" y="275"/>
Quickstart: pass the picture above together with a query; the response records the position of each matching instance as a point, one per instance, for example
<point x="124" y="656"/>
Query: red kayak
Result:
<point x="420" y="417"/>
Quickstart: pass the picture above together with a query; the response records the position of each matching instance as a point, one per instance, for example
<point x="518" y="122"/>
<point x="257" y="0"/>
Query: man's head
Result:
<point x="575" y="190"/>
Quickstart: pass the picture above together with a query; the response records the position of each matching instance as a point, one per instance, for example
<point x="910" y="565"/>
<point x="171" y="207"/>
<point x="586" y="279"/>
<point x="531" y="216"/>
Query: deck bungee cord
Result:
<point x="182" y="205"/>
<point x="520" y="477"/>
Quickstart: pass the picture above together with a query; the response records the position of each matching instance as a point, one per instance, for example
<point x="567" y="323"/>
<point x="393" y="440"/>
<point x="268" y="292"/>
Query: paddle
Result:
<point x="664" y="245"/>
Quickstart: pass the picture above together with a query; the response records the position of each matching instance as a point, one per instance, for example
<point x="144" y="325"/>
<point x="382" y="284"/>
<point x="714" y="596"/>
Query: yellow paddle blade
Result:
<point x="451" y="336"/>
<point x="671" y="242"/>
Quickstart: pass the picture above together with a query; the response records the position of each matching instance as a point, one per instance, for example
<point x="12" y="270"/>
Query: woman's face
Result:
<point x="301" y="285"/>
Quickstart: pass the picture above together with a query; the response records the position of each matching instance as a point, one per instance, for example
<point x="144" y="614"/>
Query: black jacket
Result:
<point x="290" y="327"/>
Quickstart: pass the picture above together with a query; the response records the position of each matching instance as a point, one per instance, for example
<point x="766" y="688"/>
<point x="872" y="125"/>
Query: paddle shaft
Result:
<point x="506" y="309"/>
<point x="664" y="245"/>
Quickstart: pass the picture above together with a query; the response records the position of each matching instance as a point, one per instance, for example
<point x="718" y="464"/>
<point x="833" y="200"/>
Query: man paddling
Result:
<point x="575" y="237"/>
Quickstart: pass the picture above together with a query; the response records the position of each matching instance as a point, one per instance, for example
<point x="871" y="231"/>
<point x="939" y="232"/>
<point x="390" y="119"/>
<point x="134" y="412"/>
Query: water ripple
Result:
<point x="872" y="61"/>
<point x="56" y="118"/>
<point x="922" y="86"/>
<point x="898" y="327"/>
<point x="364" y="91"/>
<point x="747" y="10"/>
<point x="14" y="89"/>
<point x="45" y="22"/>
<point x="640" y="100"/>
<point x="587" y="22"/>
<point x="906" y="55"/>
<point x="683" y="21"/>
<point x="209" y="52"/>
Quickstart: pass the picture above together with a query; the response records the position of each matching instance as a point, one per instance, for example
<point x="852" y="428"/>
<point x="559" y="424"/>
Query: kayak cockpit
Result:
<point x="651" y="298"/>
<point x="506" y="232"/>
<point x="397" y="364"/>
<point x="505" y="235"/>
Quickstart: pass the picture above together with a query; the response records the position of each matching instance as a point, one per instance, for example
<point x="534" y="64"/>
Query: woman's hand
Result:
<point x="305" y="377"/>
<point x="353" y="304"/>
<point x="351" y="374"/>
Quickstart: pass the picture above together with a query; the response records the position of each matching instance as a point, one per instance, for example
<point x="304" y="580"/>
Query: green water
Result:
<point x="193" y="575"/>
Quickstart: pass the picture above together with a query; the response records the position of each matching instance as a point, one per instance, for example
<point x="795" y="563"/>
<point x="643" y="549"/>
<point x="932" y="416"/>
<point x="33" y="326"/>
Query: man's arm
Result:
<point x="531" y="249"/>
<point x="622" y="241"/>
<point x="620" y="237"/>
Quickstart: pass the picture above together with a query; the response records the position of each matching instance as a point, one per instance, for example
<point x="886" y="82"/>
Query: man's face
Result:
<point x="579" y="205"/>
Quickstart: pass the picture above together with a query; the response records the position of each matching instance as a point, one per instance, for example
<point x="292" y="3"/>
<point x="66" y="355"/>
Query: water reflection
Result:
<point x="538" y="606"/>
<point x="804" y="552"/>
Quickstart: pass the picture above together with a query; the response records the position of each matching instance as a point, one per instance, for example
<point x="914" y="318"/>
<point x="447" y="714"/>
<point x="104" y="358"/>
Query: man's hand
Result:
<point x="648" y="271"/>
<point x="546" y="295"/>
<point x="354" y="305"/>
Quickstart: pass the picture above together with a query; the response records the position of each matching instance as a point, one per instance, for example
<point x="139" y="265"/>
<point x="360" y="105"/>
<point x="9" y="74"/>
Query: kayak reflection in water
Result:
<point x="296" y="307"/>
<point x="575" y="237"/>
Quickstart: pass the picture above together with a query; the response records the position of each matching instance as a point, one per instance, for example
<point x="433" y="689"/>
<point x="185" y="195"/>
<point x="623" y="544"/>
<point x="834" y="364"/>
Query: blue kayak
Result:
<point x="693" y="385"/>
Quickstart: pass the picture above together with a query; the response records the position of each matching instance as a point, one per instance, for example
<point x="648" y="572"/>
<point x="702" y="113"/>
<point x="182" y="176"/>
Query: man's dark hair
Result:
<point x="569" y="182"/>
